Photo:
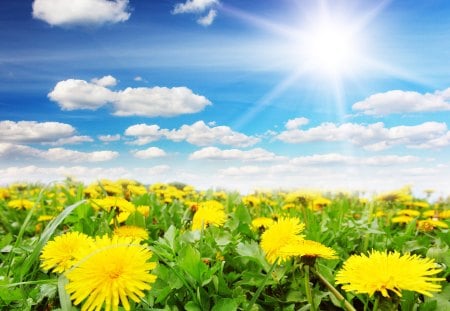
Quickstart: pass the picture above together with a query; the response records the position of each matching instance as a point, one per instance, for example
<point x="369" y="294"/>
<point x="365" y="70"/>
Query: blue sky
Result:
<point x="227" y="94"/>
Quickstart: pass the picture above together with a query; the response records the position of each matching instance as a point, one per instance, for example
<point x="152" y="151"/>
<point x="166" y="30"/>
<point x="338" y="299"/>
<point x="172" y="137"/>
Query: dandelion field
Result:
<point x="122" y="245"/>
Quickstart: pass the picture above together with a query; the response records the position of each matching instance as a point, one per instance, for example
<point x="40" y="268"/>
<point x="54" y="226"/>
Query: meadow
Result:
<point x="122" y="245"/>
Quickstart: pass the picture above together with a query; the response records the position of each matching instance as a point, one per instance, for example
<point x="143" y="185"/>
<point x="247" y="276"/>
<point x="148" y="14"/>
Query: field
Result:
<point x="121" y="245"/>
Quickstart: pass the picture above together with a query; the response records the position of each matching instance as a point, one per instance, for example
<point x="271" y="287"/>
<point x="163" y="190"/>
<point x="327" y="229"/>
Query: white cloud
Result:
<point x="295" y="123"/>
<point x="374" y="137"/>
<point x="138" y="78"/>
<point x="80" y="12"/>
<point x="72" y="156"/>
<point x="106" y="81"/>
<point x="213" y="153"/>
<point x="34" y="132"/>
<point x="198" y="134"/>
<point x="149" y="153"/>
<point x="18" y="152"/>
<point x="77" y="139"/>
<point x="198" y="7"/>
<point x="207" y="19"/>
<point x="158" y="101"/>
<point x="145" y="133"/>
<point x="75" y="94"/>
<point x="397" y="101"/>
<point x="194" y="6"/>
<point x="330" y="159"/>
<point x="109" y="138"/>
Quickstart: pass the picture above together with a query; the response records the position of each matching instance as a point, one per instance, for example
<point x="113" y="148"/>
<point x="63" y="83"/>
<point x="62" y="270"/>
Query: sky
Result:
<point x="227" y="94"/>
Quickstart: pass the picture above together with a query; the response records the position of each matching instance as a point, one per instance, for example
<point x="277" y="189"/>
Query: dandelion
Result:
<point x="383" y="272"/>
<point x="20" y="204"/>
<point x="403" y="219"/>
<point x="285" y="232"/>
<point x="134" y="232"/>
<point x="308" y="248"/>
<point x="118" y="271"/>
<point x="430" y="224"/>
<point x="408" y="212"/>
<point x="209" y="213"/>
<point x="65" y="250"/>
<point x="262" y="223"/>
<point x="144" y="210"/>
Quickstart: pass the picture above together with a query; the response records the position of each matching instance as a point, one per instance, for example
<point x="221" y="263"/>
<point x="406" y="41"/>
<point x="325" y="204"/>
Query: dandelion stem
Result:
<point x="375" y="305"/>
<point x="334" y="291"/>
<point x="309" y="294"/>
<point x="260" y="288"/>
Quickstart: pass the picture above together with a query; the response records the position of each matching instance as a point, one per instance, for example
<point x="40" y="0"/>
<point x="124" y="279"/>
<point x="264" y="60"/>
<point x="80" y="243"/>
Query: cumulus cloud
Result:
<point x="109" y="138"/>
<point x="17" y="152"/>
<point x="214" y="153"/>
<point x="374" y="137"/>
<point x="158" y="101"/>
<point x="397" y="101"/>
<point x="106" y="81"/>
<point x="198" y="7"/>
<point x="144" y="133"/>
<point x="80" y="12"/>
<point x="149" y="153"/>
<point x="207" y="19"/>
<point x="34" y="132"/>
<point x="73" y="94"/>
<point x="73" y="140"/>
<point x="295" y="123"/>
<point x="198" y="134"/>
<point x="330" y="159"/>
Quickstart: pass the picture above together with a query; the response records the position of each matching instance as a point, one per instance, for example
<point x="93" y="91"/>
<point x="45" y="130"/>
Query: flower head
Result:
<point x="133" y="232"/>
<point x="308" y="248"/>
<point x="382" y="271"/>
<point x="262" y="223"/>
<point x="65" y="250"/>
<point x="285" y="232"/>
<point x="119" y="270"/>
<point x="209" y="213"/>
<point x="20" y="204"/>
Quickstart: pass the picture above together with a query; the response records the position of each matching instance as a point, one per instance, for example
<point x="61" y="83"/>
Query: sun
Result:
<point x="330" y="48"/>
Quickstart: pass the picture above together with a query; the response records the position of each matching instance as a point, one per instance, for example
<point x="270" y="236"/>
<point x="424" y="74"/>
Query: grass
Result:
<point x="219" y="267"/>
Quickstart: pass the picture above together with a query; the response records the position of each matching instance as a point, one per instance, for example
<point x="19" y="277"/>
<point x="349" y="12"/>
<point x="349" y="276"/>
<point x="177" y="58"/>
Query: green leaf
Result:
<point x="190" y="261"/>
<point x="192" y="306"/>
<point x="253" y="252"/>
<point x="64" y="298"/>
<point x="225" y="304"/>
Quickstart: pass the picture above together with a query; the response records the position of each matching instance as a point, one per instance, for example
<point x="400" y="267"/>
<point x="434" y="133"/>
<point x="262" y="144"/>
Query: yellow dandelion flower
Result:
<point x="444" y="214"/>
<point x="379" y="214"/>
<point x="262" y="223"/>
<point x="308" y="248"/>
<point x="116" y="272"/>
<point x="144" y="210"/>
<point x="120" y="218"/>
<point x="45" y="217"/>
<point x="21" y="204"/>
<point x="288" y="206"/>
<point x="209" y="213"/>
<point x="430" y="224"/>
<point x="431" y="213"/>
<point x="408" y="212"/>
<point x="404" y="219"/>
<point x="286" y="231"/>
<point x="134" y="232"/>
<point x="65" y="250"/>
<point x="117" y="203"/>
<point x="383" y="272"/>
